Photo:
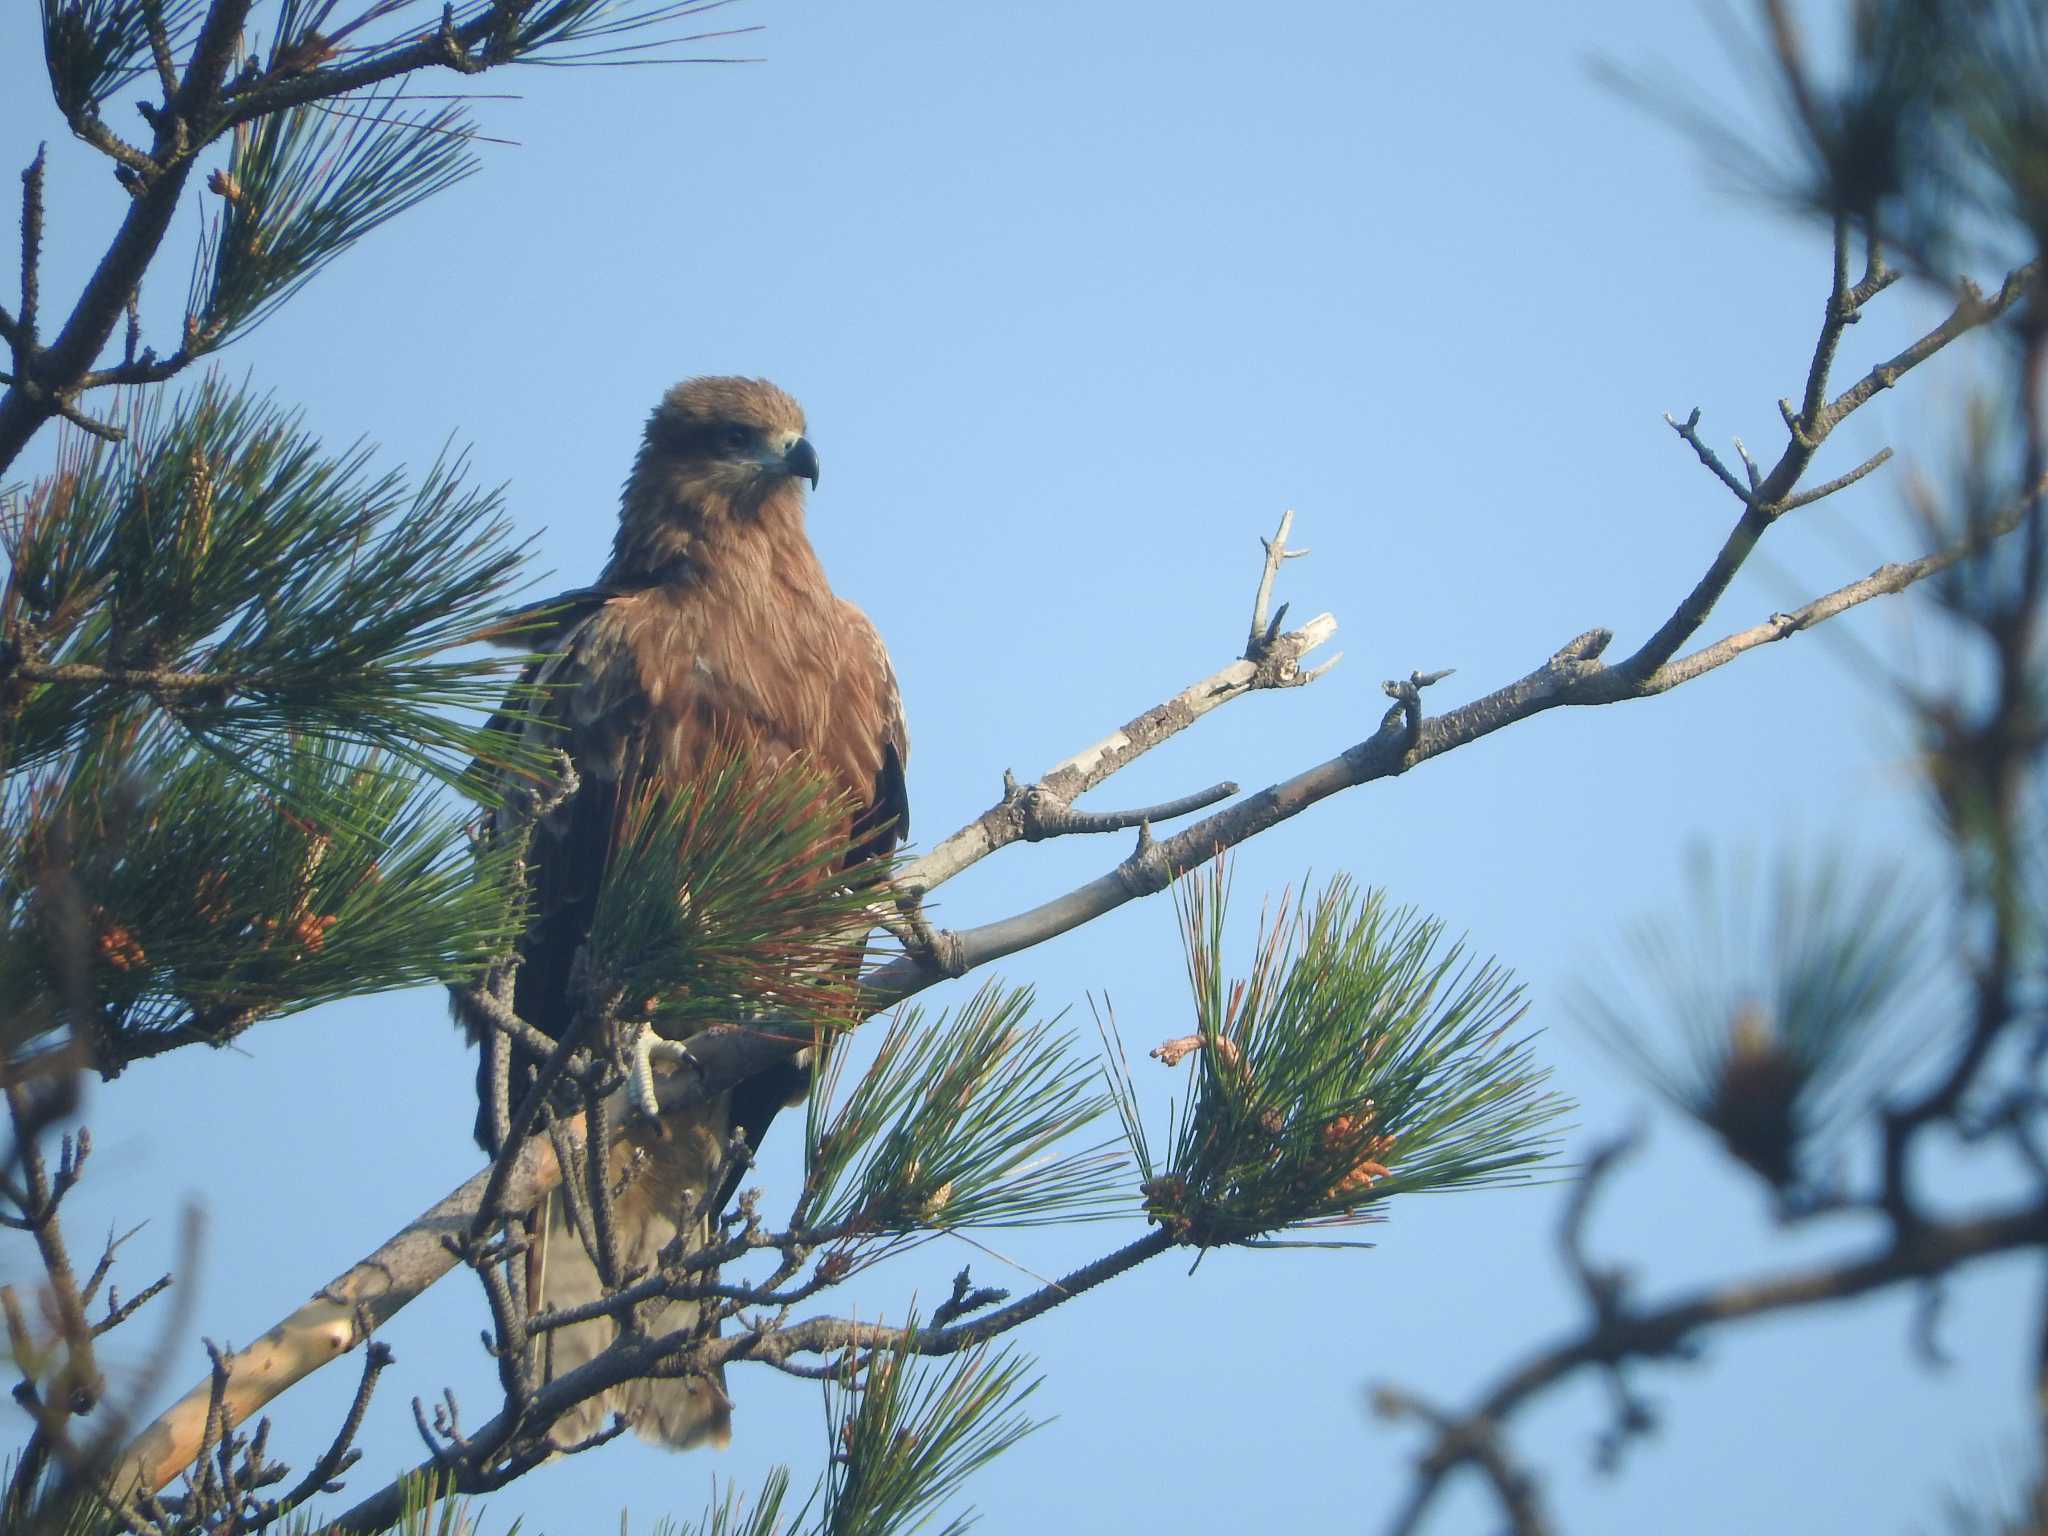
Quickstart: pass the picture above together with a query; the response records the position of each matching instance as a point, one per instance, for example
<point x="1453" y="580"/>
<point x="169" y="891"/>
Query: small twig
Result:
<point x="1263" y="634"/>
<point x="614" y="1428"/>
<point x="31" y="258"/>
<point x="117" y="1315"/>
<point x="965" y="1298"/>
<point x="1045" y="815"/>
<point x="598" y="1185"/>
<point x="1839" y="316"/>
<point x="1840" y="482"/>
<point x="1689" y="429"/>
<point x="340" y="1455"/>
<point x="1749" y="467"/>
<point x="160" y="50"/>
<point x="487" y="1014"/>
<point x="1407" y="696"/>
<point x="91" y="426"/>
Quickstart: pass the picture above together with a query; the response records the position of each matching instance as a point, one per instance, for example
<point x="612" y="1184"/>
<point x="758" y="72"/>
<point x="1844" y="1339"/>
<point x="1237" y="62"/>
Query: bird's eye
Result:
<point x="736" y="436"/>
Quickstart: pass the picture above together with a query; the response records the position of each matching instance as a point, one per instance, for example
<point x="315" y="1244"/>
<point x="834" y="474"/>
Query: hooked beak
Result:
<point x="801" y="459"/>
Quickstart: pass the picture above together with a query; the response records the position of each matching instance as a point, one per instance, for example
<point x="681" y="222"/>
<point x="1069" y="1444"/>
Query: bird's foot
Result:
<point x="646" y="1049"/>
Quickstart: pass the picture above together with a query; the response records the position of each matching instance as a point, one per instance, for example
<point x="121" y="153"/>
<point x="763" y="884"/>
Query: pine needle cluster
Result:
<point x="150" y="898"/>
<point x="92" y="48"/>
<point x="911" y="1431"/>
<point x="233" y="672"/>
<point x="958" y="1123"/>
<point x="1360" y="1058"/>
<point x="904" y="1434"/>
<point x="732" y="897"/>
<point x="225" y="570"/>
<point x="302" y="186"/>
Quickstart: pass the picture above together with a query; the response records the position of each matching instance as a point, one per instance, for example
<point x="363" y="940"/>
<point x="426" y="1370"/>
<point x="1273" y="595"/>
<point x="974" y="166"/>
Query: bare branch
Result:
<point x="1046" y="817"/>
<point x="1768" y="501"/>
<point x="1885" y="581"/>
<point x="1277" y="664"/>
<point x="1689" y="429"/>
<point x="31" y="257"/>
<point x="1971" y="311"/>
<point x="1839" y="483"/>
<point x="1262" y="633"/>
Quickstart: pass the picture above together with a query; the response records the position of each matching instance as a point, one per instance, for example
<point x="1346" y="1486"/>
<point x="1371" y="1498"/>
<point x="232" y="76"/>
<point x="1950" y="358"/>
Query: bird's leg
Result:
<point x="645" y="1049"/>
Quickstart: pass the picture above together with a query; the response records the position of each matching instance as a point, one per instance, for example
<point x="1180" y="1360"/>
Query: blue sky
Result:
<point x="1078" y="299"/>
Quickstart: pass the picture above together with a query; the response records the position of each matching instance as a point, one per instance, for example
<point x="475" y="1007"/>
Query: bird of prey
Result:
<point x="711" y="629"/>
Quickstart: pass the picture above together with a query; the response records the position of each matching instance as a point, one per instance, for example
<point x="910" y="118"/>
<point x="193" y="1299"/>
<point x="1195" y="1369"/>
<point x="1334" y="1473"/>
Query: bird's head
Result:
<point x="719" y="454"/>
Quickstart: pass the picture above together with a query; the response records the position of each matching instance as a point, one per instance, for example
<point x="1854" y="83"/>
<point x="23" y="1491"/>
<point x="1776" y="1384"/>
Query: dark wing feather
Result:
<point x="586" y="700"/>
<point x="885" y="822"/>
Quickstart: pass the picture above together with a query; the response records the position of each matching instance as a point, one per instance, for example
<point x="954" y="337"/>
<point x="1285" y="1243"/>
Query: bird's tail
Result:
<point x="679" y="1412"/>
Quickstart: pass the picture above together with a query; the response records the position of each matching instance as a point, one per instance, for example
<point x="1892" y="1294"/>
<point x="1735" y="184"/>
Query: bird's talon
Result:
<point x="646" y="1049"/>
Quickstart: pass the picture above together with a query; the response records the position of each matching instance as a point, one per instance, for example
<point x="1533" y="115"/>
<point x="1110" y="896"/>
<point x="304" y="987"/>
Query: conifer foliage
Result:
<point x="251" y="721"/>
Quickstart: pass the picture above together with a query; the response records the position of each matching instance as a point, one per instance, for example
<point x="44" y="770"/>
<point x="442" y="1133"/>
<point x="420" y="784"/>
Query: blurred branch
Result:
<point x="1479" y="1442"/>
<point x="1931" y="1249"/>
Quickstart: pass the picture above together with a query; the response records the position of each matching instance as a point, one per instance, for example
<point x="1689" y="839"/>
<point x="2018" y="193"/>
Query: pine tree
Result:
<point x="244" y="682"/>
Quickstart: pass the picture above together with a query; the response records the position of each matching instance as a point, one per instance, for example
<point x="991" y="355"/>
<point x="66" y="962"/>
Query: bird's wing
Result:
<point x="868" y="681"/>
<point x="582" y="698"/>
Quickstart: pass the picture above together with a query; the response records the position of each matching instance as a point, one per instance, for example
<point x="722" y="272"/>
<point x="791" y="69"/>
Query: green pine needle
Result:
<point x="94" y="47"/>
<point x="222" y="543"/>
<point x="1788" y="1005"/>
<point x="150" y="898"/>
<point x="1360" y="1058"/>
<point x="735" y="1515"/>
<point x="730" y="898"/>
<point x="906" y="1437"/>
<point x="430" y="1507"/>
<point x="956" y="1125"/>
<point x="541" y="33"/>
<point x="303" y="185"/>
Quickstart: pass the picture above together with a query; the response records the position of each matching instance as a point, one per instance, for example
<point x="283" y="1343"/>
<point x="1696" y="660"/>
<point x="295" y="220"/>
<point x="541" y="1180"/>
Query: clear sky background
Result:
<point x="1079" y="298"/>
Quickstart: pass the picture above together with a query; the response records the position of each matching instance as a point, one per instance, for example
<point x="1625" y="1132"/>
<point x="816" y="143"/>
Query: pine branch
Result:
<point x="252" y="588"/>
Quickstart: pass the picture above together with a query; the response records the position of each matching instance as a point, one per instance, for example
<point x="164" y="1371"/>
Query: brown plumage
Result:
<point x="711" y="630"/>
